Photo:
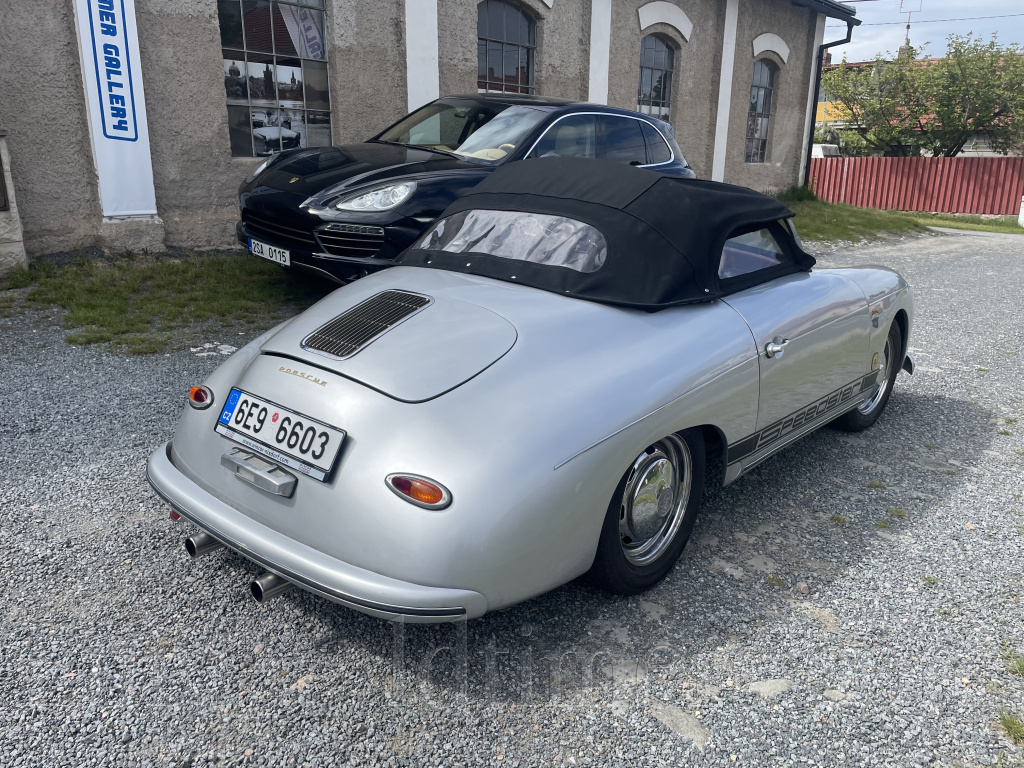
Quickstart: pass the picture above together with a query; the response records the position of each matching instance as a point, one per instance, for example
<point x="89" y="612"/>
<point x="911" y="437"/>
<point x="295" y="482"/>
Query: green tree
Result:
<point x="901" y="106"/>
<point x="977" y="88"/>
<point x="882" y="101"/>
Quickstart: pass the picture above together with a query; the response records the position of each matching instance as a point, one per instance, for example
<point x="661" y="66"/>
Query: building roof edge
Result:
<point x="832" y="8"/>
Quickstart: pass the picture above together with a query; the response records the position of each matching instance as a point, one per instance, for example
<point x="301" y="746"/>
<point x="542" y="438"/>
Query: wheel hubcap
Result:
<point x="883" y="386"/>
<point x="654" y="500"/>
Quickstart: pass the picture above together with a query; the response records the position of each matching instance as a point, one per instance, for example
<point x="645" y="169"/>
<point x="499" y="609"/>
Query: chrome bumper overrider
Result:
<point x="304" y="566"/>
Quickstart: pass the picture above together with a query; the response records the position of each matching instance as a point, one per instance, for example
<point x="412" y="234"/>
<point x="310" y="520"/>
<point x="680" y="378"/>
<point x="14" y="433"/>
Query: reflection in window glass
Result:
<point x="483" y="131"/>
<point x="235" y="80"/>
<point x="314" y="75"/>
<point x="623" y="140"/>
<point x="573" y="136"/>
<point x="240" y="131"/>
<point x="505" y="48"/>
<point x="275" y="72"/>
<point x="318" y="129"/>
<point x="230" y="13"/>
<point x="749" y="253"/>
<point x="656" y="62"/>
<point x="534" y="237"/>
<point x="657" y="149"/>
<point x="762" y="89"/>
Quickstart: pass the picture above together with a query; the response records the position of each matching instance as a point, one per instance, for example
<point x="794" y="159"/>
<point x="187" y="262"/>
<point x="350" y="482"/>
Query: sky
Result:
<point x="929" y="25"/>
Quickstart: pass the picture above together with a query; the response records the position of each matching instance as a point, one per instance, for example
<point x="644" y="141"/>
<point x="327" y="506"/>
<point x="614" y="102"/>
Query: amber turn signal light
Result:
<point x="200" y="398"/>
<point x="421" y="491"/>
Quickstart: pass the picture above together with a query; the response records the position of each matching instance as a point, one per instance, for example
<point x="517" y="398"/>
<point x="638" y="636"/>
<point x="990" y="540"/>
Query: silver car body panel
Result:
<point x="530" y="431"/>
<point x="437" y="349"/>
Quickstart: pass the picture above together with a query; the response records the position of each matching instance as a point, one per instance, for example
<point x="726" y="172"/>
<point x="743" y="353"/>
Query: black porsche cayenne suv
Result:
<point x="345" y="211"/>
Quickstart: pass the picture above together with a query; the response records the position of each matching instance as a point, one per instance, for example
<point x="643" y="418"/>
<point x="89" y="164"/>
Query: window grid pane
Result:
<point x="654" y="95"/>
<point x="758" y="117"/>
<point x="505" y="47"/>
<point x="275" y="75"/>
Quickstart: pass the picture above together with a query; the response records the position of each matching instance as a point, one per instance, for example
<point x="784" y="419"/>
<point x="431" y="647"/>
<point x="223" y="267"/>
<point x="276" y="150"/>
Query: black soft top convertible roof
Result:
<point x="664" y="234"/>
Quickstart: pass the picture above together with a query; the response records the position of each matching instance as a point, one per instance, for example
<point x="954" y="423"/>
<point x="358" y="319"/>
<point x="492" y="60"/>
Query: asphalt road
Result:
<point x="808" y="622"/>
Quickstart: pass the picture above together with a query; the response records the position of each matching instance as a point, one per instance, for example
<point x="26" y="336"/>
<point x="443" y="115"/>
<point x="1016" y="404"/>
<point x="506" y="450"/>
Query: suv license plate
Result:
<point x="270" y="253"/>
<point x="281" y="434"/>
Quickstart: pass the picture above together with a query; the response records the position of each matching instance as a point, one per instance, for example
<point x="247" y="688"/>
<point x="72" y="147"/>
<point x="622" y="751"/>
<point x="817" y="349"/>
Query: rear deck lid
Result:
<point x="409" y="345"/>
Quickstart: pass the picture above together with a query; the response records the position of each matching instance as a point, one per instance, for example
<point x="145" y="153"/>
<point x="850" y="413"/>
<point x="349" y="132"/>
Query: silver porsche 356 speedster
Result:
<point x="531" y="395"/>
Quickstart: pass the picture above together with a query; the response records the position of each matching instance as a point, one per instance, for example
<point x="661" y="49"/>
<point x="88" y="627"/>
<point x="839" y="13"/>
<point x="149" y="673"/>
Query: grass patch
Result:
<point x="839" y="519"/>
<point x="896" y="512"/>
<point x="818" y="220"/>
<point x="1005" y="432"/>
<point x="931" y="580"/>
<point x="1007" y="225"/>
<point x="1014" y="660"/>
<point x="774" y="581"/>
<point x="876" y="485"/>
<point x="881" y="524"/>
<point x="142" y="305"/>
<point x="1013" y="726"/>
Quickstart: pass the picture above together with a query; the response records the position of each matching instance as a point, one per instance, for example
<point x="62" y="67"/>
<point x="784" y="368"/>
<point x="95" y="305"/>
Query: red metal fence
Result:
<point x="936" y="184"/>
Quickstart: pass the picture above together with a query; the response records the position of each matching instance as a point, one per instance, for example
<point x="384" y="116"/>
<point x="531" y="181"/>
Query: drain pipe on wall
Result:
<point x="817" y="89"/>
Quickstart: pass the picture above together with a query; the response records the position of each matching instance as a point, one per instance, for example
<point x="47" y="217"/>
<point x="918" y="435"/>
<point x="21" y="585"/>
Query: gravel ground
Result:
<point x="843" y="605"/>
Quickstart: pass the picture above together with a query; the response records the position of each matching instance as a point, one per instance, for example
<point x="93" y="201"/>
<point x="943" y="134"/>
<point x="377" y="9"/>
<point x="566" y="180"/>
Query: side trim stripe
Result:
<point x="783" y="427"/>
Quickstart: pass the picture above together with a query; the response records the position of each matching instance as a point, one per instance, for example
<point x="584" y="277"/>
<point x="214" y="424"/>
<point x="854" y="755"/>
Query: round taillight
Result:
<point x="200" y="398"/>
<point x="421" y="491"/>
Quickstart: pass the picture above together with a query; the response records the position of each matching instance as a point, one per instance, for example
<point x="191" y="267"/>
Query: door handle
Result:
<point x="776" y="347"/>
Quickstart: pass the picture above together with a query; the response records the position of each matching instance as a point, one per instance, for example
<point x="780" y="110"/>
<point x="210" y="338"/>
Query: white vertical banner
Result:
<point x="422" y="70"/>
<point x="116" y="105"/>
<point x="600" y="50"/>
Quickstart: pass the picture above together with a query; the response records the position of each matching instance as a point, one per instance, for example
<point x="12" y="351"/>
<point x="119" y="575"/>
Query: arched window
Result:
<point x="761" y="91"/>
<point x="504" y="48"/>
<point x="655" y="93"/>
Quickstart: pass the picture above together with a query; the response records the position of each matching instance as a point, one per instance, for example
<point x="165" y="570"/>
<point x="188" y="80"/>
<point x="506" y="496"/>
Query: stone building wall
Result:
<point x="195" y="176"/>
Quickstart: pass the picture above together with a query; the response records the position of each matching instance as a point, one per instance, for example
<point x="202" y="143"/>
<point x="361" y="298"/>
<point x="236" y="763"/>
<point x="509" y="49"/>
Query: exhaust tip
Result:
<point x="268" y="586"/>
<point x="201" y="544"/>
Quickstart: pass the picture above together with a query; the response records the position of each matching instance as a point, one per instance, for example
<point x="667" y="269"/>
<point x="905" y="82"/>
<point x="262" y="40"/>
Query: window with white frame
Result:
<point x="505" y="48"/>
<point x="655" y="92"/>
<point x="275" y="75"/>
<point x="762" y="90"/>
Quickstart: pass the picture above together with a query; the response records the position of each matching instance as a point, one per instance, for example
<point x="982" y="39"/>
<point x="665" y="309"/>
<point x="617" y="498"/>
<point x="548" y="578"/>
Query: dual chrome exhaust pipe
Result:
<point x="264" y="588"/>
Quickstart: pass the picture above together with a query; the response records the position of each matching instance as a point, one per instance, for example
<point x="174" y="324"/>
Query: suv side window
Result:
<point x="623" y="140"/>
<point x="748" y="253"/>
<point x="572" y="136"/>
<point x="657" y="149"/>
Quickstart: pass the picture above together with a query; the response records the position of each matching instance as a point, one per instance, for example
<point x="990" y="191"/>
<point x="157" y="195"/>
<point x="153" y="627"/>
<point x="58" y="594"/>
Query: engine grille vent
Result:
<point x="354" y="329"/>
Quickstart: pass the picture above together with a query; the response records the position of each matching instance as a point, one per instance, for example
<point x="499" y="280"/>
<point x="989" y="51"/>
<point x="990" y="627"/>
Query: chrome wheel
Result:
<point x="883" y="386"/>
<point x="654" y="500"/>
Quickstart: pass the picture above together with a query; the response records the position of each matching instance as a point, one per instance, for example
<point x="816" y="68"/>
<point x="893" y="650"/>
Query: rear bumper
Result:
<point x="308" y="568"/>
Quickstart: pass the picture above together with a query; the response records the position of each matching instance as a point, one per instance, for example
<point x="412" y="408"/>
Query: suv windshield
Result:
<point x="482" y="131"/>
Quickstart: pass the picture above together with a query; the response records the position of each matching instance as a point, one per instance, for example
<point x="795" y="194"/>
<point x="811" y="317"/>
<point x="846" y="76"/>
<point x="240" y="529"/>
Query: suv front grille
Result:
<point x="358" y="240"/>
<point x="276" y="231"/>
<point x="355" y="328"/>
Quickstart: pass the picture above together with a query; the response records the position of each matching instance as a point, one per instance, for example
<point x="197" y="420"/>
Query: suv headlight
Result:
<point x="380" y="199"/>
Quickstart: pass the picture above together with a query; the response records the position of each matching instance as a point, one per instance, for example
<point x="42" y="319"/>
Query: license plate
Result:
<point x="270" y="253"/>
<point x="281" y="434"/>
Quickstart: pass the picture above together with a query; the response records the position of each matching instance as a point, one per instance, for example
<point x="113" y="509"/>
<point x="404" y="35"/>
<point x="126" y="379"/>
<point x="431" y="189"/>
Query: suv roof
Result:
<point x="515" y="98"/>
